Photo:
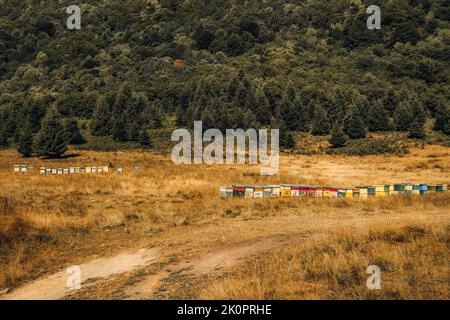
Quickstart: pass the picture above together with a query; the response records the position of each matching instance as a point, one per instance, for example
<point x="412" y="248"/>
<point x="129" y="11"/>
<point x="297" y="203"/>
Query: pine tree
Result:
<point x="320" y="122"/>
<point x="144" y="139"/>
<point x="416" y="130"/>
<point x="101" y="119"/>
<point x="354" y="125"/>
<point x="25" y="141"/>
<point x="51" y="139"/>
<point x="378" y="118"/>
<point x="73" y="134"/>
<point x="442" y="117"/>
<point x="389" y="101"/>
<point x="262" y="108"/>
<point x="119" y="131"/>
<point x="302" y="116"/>
<point x="403" y="116"/>
<point x="338" y="138"/>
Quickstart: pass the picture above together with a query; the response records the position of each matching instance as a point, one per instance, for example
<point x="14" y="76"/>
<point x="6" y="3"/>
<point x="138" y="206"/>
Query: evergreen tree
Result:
<point x="119" y="131"/>
<point x="320" y="122"/>
<point x="390" y="101"/>
<point x="403" y="116"/>
<point x="447" y="127"/>
<point x="354" y="125"/>
<point x="262" y="108"/>
<point x="51" y="139"/>
<point x="302" y="116"/>
<point x="338" y="138"/>
<point x="101" y="119"/>
<point x="25" y="141"/>
<point x="442" y="117"/>
<point x="73" y="134"/>
<point x="416" y="130"/>
<point x="3" y="136"/>
<point x="377" y="118"/>
<point x="144" y="139"/>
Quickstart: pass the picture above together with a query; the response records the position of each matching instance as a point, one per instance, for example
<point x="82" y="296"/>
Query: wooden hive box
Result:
<point x="303" y="189"/>
<point x="71" y="170"/>
<point x="285" y="190"/>
<point x="88" y="169"/>
<point x="223" y="192"/>
<point x="258" y="192"/>
<point x="267" y="191"/>
<point x="371" y="191"/>
<point x="341" y="193"/>
<point x="356" y="193"/>
<point x="295" y="191"/>
<point x="249" y="192"/>
<point x="77" y="169"/>
<point x="379" y="188"/>
<point x="105" y="169"/>
<point x="100" y="169"/>
<point x="349" y="193"/>
<point x="54" y="171"/>
<point x="319" y="192"/>
<point x="363" y="192"/>
<point x="311" y="191"/>
<point x="230" y="191"/>
<point x="431" y="188"/>
<point x="334" y="192"/>
<point x="94" y="169"/>
<point x="423" y="188"/>
<point x="42" y="170"/>
<point x="60" y="171"/>
<point x="238" y="191"/>
<point x="48" y="170"/>
<point x="24" y="168"/>
<point x="408" y="187"/>
<point x="16" y="168"/>
<point x="327" y="192"/>
<point x="82" y="169"/>
<point x="66" y="171"/>
<point x="276" y="191"/>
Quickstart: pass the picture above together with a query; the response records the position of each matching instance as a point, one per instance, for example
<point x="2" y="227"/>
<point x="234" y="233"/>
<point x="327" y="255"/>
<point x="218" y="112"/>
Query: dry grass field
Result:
<point x="164" y="233"/>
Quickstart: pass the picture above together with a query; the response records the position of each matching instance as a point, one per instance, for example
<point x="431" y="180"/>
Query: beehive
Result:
<point x="334" y="192"/>
<point x="66" y="171"/>
<point x="94" y="169"/>
<point x="371" y="191"/>
<point x="379" y="188"/>
<point x="72" y="170"/>
<point x="356" y="193"/>
<point x="238" y="191"/>
<point x="105" y="169"/>
<point x="423" y="188"/>
<point x="100" y="169"/>
<point x="16" y="168"/>
<point x="223" y="192"/>
<point x="303" y="189"/>
<point x="431" y="188"/>
<point x="59" y="171"/>
<point x="267" y="191"/>
<point x="24" y="168"/>
<point x="82" y="169"/>
<point x="327" y="192"/>
<point x="440" y="188"/>
<point x="229" y="191"/>
<point x="54" y="171"/>
<point x="349" y="193"/>
<point x="48" y="170"/>
<point x="408" y="187"/>
<point x="276" y="191"/>
<point x="295" y="191"/>
<point x="42" y="170"/>
<point x="77" y="169"/>
<point x="258" y="192"/>
<point x="30" y="168"/>
<point x="319" y="192"/>
<point x="249" y="192"/>
<point x="363" y="192"/>
<point x="399" y="187"/>
<point x="311" y="191"/>
<point x="88" y="169"/>
<point x="341" y="193"/>
<point x="285" y="191"/>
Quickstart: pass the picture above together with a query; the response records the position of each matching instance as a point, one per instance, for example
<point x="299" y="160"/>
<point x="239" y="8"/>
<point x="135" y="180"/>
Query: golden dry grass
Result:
<point x="49" y="222"/>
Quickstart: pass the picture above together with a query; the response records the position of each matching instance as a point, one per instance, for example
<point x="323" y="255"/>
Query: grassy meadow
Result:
<point x="50" y="222"/>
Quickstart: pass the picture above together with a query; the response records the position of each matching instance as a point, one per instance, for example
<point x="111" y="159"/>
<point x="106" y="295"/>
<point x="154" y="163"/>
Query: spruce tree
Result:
<point x="377" y="118"/>
<point x="25" y="141"/>
<point x="442" y="117"/>
<point x="262" y="108"/>
<point x="403" y="116"/>
<point x="51" y="139"/>
<point x="73" y="134"/>
<point x="354" y="125"/>
<point x="119" y="131"/>
<point x="101" y="119"/>
<point x="338" y="137"/>
<point x="144" y="139"/>
<point x="320" y="122"/>
<point x="416" y="130"/>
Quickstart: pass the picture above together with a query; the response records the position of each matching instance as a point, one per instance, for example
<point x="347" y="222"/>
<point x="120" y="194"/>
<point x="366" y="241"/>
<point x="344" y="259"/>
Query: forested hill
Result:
<point x="140" y="66"/>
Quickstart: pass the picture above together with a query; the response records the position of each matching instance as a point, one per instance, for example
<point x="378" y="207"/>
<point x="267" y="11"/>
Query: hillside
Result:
<point x="138" y="69"/>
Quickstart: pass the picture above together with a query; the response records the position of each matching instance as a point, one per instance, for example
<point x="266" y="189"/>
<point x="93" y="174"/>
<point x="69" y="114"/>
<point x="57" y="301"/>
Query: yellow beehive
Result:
<point x="363" y="192"/>
<point x="105" y="169"/>
<point x="408" y="187"/>
<point x="380" y="193"/>
<point x="349" y="193"/>
<point x="285" y="191"/>
<point x="379" y="188"/>
<point x="327" y="193"/>
<point x="319" y="192"/>
<point x="276" y="191"/>
<point x="88" y="170"/>
<point x="416" y="192"/>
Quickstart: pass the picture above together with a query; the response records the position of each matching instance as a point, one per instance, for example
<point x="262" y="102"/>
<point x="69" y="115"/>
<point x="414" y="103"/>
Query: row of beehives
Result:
<point x="71" y="170"/>
<point x="294" y="190"/>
